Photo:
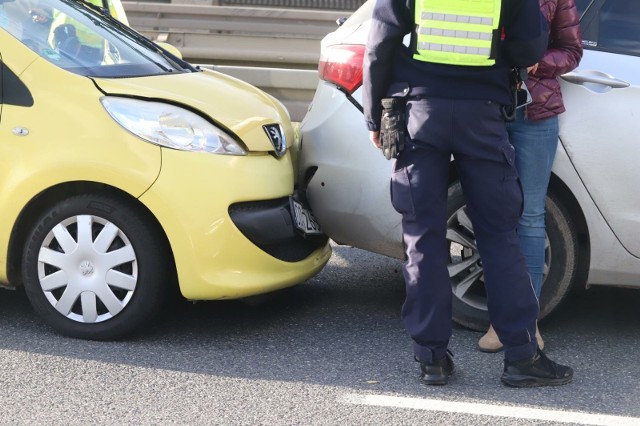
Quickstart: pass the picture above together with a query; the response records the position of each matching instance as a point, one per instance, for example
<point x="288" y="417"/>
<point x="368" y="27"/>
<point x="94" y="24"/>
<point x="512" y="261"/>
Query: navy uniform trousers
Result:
<point x="474" y="132"/>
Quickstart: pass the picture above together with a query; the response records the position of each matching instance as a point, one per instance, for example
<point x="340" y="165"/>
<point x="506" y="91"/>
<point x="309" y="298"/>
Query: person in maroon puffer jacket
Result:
<point x="534" y="134"/>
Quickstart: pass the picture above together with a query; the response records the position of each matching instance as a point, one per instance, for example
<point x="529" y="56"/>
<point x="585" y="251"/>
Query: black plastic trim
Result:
<point x="268" y="224"/>
<point x="13" y="91"/>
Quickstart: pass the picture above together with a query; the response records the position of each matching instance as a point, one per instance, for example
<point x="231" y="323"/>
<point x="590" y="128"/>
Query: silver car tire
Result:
<point x="94" y="268"/>
<point x="465" y="265"/>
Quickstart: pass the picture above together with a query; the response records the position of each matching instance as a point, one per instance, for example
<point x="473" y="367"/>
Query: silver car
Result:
<point x="593" y="213"/>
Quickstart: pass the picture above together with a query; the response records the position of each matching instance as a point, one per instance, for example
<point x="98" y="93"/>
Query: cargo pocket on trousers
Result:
<point x="401" y="197"/>
<point x="512" y="188"/>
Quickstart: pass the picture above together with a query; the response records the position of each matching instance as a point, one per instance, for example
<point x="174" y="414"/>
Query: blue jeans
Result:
<point x="535" y="143"/>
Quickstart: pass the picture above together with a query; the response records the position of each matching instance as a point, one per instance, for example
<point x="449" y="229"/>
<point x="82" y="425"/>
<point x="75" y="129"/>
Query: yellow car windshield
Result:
<point x="75" y="36"/>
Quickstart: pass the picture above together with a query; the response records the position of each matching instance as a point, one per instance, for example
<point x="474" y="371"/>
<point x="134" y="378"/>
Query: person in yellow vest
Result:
<point x="451" y="90"/>
<point x="76" y="39"/>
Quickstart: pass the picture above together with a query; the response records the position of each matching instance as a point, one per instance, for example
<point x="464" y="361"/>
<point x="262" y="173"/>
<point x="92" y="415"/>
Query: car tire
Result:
<point x="465" y="266"/>
<point x="95" y="268"/>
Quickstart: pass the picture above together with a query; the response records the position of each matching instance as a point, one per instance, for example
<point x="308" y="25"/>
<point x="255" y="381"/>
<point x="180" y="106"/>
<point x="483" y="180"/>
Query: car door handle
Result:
<point x="594" y="77"/>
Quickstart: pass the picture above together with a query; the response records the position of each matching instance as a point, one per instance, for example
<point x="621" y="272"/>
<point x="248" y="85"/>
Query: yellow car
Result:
<point x="125" y="171"/>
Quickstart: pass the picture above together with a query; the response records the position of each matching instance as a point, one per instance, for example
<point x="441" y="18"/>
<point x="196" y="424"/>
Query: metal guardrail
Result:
<point x="276" y="50"/>
<point x="347" y="5"/>
<point x="309" y="4"/>
<point x="289" y="38"/>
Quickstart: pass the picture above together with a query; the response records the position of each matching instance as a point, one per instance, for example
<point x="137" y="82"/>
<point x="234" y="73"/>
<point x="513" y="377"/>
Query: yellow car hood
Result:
<point x="236" y="105"/>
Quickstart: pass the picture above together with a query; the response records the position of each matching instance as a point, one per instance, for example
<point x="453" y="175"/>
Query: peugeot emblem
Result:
<point x="277" y="138"/>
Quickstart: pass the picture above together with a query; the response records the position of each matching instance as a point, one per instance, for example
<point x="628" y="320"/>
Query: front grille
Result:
<point x="268" y="225"/>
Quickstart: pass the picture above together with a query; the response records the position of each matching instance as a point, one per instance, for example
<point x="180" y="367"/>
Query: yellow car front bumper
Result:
<point x="214" y="259"/>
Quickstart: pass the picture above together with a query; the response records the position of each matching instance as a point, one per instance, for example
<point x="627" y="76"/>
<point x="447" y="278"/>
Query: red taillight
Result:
<point x="341" y="65"/>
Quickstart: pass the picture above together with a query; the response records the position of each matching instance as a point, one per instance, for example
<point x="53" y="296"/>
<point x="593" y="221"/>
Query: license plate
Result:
<point x="303" y="219"/>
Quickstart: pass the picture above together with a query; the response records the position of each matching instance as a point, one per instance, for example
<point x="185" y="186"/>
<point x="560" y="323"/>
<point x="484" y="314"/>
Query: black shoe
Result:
<point x="535" y="371"/>
<point x="438" y="371"/>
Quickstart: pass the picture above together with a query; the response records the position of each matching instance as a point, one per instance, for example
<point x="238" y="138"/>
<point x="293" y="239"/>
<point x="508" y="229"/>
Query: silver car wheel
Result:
<point x="465" y="267"/>
<point x="87" y="269"/>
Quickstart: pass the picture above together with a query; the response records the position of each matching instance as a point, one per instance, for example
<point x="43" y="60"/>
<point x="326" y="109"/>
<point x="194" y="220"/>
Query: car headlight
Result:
<point x="170" y="126"/>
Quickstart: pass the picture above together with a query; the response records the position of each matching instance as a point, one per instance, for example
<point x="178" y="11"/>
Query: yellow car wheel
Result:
<point x="94" y="268"/>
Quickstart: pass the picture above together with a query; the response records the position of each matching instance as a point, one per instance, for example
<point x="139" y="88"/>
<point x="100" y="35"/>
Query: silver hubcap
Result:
<point x="87" y="268"/>
<point x="465" y="265"/>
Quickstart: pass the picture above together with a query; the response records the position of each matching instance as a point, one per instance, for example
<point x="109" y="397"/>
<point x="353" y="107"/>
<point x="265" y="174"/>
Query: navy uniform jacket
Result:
<point x="389" y="67"/>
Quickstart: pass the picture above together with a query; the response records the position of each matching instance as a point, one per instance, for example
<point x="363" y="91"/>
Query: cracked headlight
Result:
<point x="170" y="126"/>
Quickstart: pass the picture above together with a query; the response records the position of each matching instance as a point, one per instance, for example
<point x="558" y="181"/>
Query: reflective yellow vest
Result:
<point x="457" y="32"/>
<point x="85" y="35"/>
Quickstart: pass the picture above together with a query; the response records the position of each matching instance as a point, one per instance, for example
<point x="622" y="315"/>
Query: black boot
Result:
<point x="438" y="371"/>
<point x="535" y="371"/>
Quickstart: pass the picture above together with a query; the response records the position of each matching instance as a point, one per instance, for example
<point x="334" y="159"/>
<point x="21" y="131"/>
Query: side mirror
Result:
<point x="341" y="21"/>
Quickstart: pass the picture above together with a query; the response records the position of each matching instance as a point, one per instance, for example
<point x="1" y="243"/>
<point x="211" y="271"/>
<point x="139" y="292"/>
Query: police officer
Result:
<point x="454" y="77"/>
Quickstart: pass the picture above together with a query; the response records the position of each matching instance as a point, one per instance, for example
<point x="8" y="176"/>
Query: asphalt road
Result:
<point x="331" y="351"/>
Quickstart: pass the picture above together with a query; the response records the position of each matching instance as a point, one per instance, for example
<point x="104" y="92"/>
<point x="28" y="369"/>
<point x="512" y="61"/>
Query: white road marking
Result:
<point x="490" y="410"/>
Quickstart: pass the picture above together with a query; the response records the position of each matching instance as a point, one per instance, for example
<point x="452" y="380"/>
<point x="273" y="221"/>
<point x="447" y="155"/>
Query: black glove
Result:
<point x="392" y="127"/>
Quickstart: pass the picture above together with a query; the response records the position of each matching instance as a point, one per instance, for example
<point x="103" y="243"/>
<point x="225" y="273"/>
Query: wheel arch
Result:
<point x="564" y="195"/>
<point x="54" y="194"/>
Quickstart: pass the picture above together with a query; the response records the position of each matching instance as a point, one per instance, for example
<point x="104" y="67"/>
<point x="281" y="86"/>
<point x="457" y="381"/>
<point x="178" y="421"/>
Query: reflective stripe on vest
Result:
<point x="456" y="32"/>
